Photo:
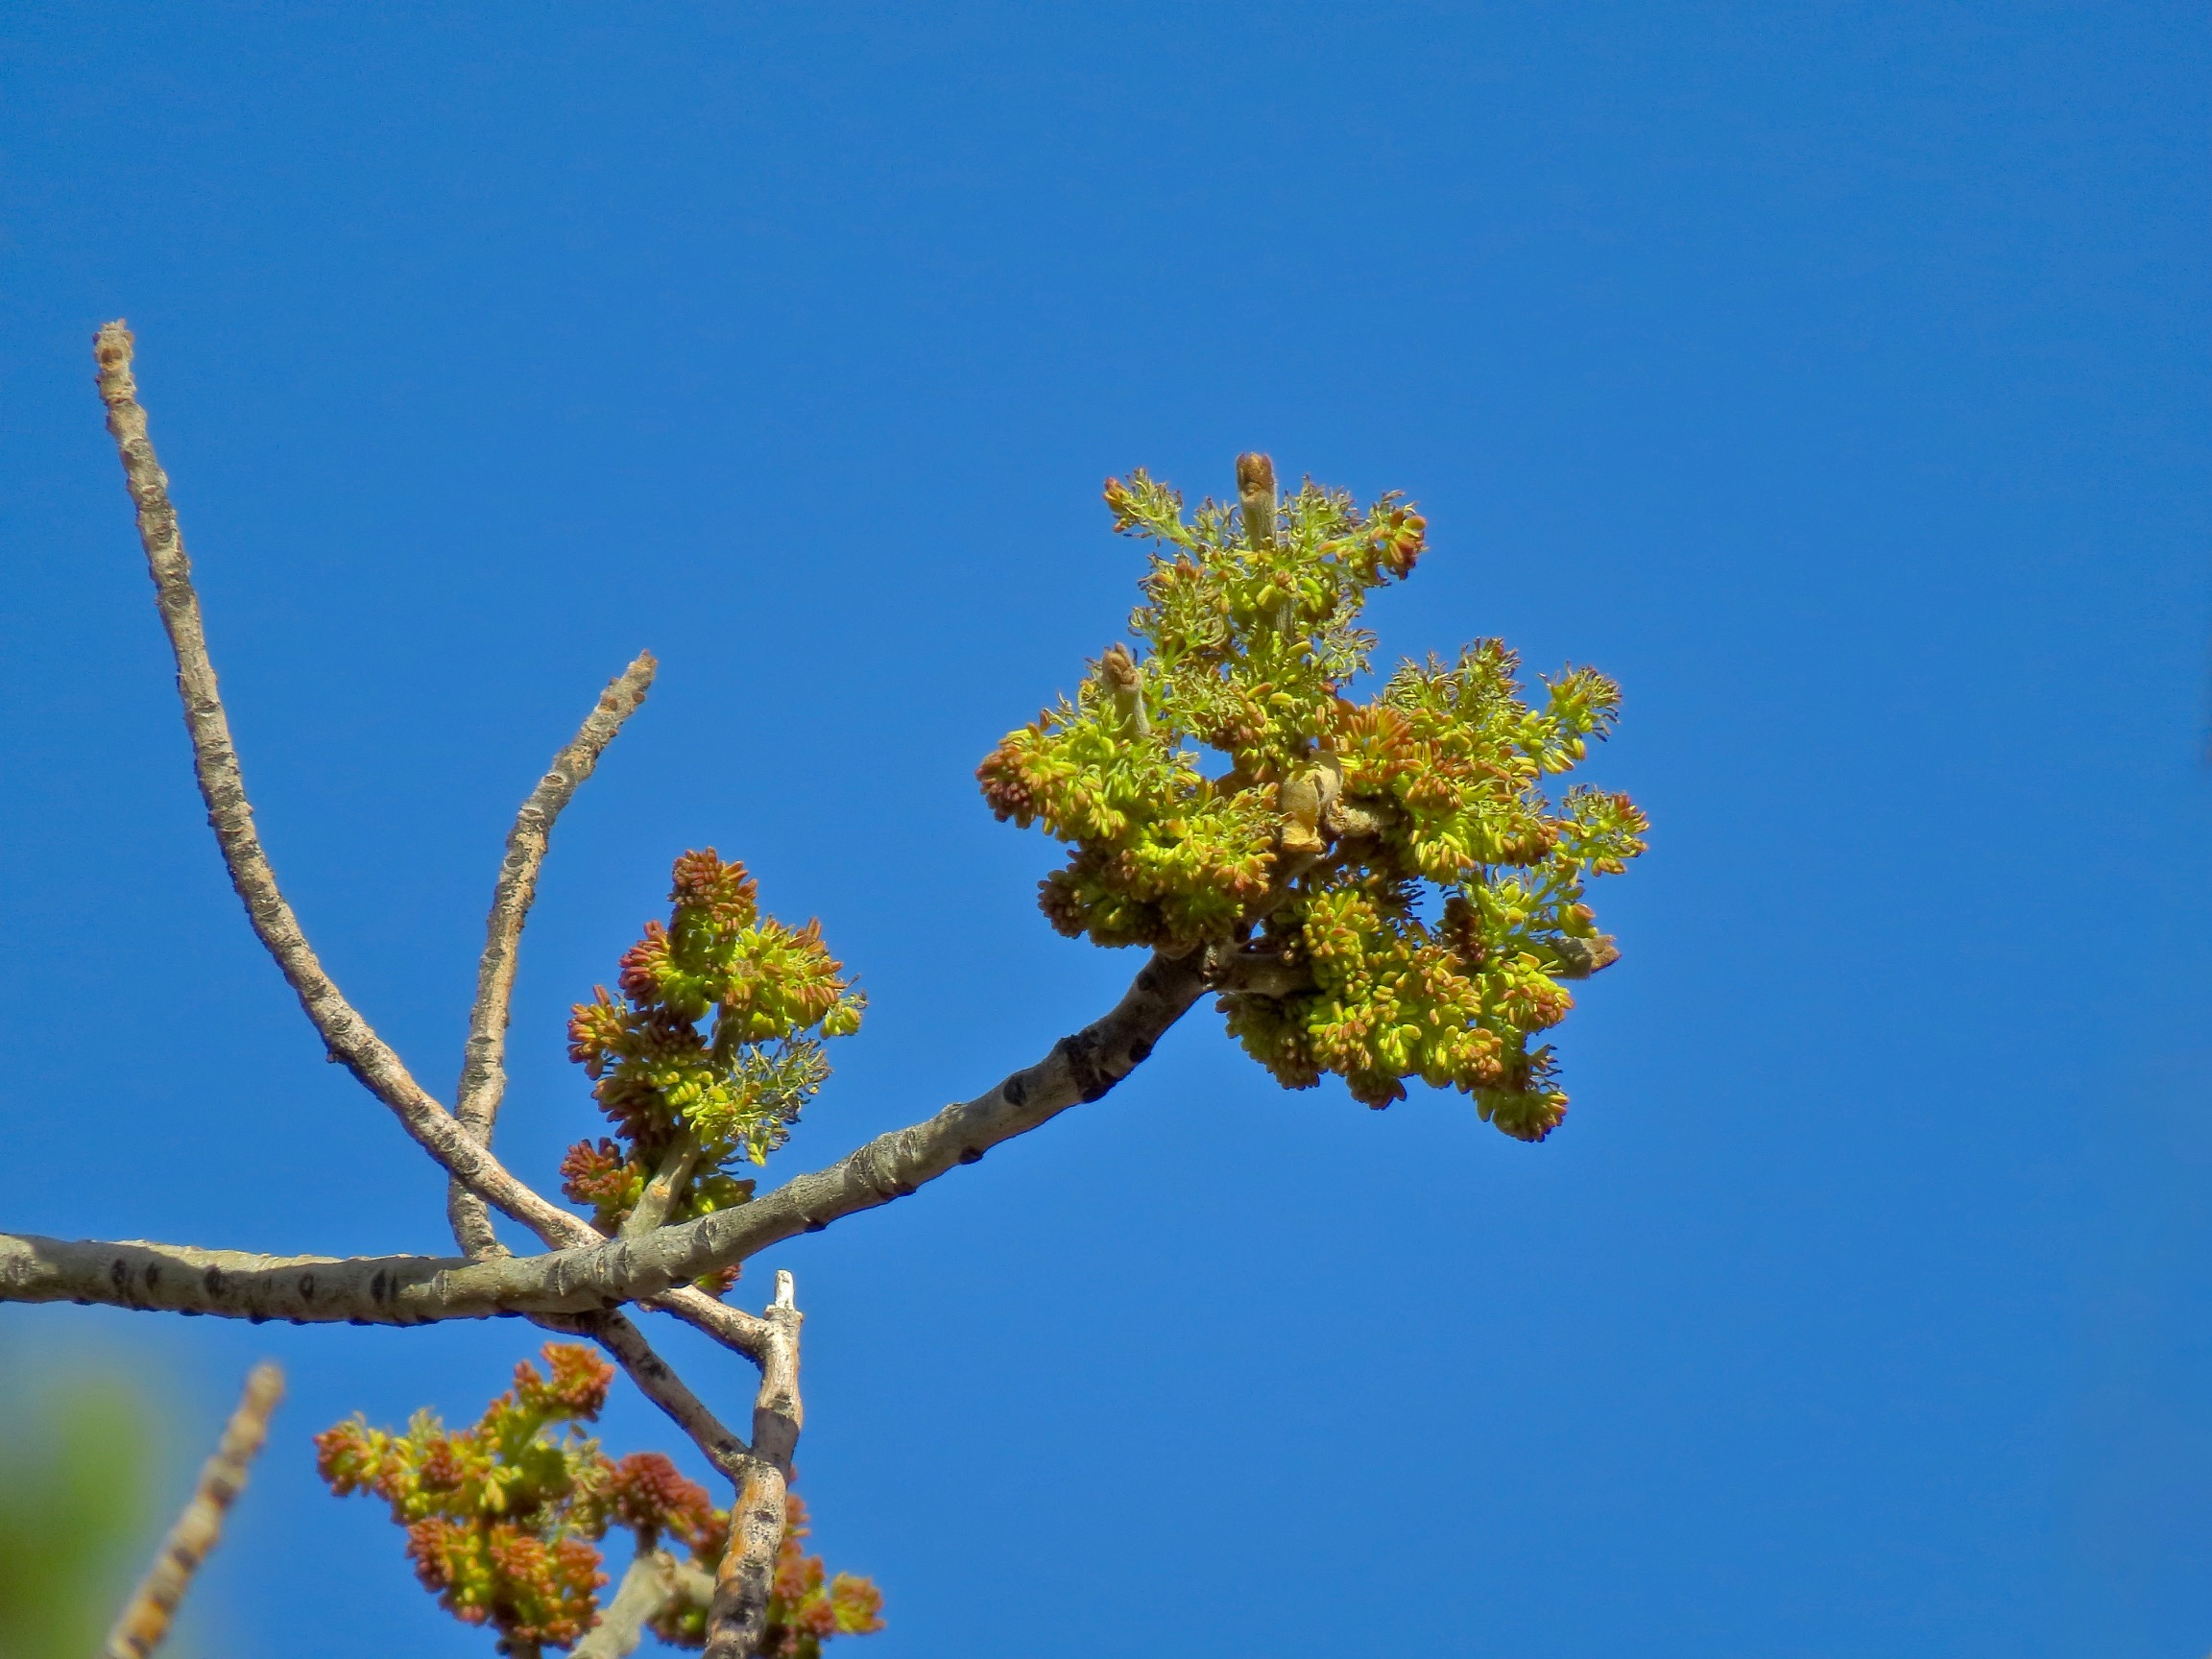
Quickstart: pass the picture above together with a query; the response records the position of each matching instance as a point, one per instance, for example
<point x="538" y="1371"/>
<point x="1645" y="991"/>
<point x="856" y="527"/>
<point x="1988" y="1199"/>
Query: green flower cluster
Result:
<point x="503" y="1519"/>
<point x="499" y="1517"/>
<point x="713" y="1048"/>
<point x="1304" y="865"/>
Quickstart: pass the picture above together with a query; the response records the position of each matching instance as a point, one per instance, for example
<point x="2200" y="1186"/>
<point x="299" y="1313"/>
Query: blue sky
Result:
<point x="1835" y="376"/>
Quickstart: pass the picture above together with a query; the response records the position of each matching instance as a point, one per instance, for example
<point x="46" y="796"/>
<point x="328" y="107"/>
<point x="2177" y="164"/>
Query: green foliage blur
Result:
<point x="80" y="1461"/>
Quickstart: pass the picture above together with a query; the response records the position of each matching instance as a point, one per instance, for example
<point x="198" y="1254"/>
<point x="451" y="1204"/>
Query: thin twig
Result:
<point x="144" y="1622"/>
<point x="483" y="1071"/>
<point x="658" y="1381"/>
<point x="347" y="1036"/>
<point x="739" y="1331"/>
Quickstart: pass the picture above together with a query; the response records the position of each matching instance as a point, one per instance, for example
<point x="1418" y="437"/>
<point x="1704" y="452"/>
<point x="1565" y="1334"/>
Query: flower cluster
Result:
<point x="499" y="1517"/>
<point x="712" y="1050"/>
<point x="1305" y="863"/>
<point x="503" y="1520"/>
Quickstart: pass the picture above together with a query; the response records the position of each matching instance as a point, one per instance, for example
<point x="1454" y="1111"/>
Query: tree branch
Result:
<point x="144" y="1622"/>
<point x="1080" y="1069"/>
<point x="738" y="1615"/>
<point x="484" y="1080"/>
<point x="599" y="1273"/>
<point x="736" y="1330"/>
<point x="1260" y="971"/>
<point x="577" y="1285"/>
<point x="347" y="1036"/>
<point x="303" y="1290"/>
<point x="483" y="1073"/>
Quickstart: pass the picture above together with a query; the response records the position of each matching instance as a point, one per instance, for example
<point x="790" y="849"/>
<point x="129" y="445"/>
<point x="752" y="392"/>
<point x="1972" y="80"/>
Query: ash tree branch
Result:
<point x="579" y="1284"/>
<point x="662" y="1193"/>
<point x="1258" y="971"/>
<point x="348" y="1037"/>
<point x="644" y="1591"/>
<point x="484" y="1079"/>
<point x="1080" y="1069"/>
<point x="737" y="1614"/>
<point x="599" y="1273"/>
<point x="656" y="1581"/>
<point x="483" y="1071"/>
<point x="303" y="1290"/>
<point x="483" y="1082"/>
<point x="144" y="1622"/>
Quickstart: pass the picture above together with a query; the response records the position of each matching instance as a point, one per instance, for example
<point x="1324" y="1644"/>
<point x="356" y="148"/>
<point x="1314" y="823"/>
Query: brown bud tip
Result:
<point x="1579" y="958"/>
<point x="1118" y="669"/>
<point x="1255" y="475"/>
<point x="111" y="353"/>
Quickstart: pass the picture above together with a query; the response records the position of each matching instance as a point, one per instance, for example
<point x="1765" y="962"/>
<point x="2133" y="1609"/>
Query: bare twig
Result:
<point x="350" y="1038"/>
<point x="483" y="1072"/>
<point x="737" y="1616"/>
<point x="347" y="1036"/>
<point x="739" y="1331"/>
<point x="144" y="1622"/>
<point x="484" y="1080"/>
<point x="738" y="1601"/>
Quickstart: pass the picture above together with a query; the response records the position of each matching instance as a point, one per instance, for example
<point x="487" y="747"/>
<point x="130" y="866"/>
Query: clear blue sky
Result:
<point x="1835" y="377"/>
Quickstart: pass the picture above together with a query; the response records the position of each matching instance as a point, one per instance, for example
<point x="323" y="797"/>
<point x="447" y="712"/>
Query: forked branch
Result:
<point x="457" y="1143"/>
<point x="350" y="1038"/>
<point x="456" y="1146"/>
<point x="604" y="1273"/>
<point x="579" y="1284"/>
